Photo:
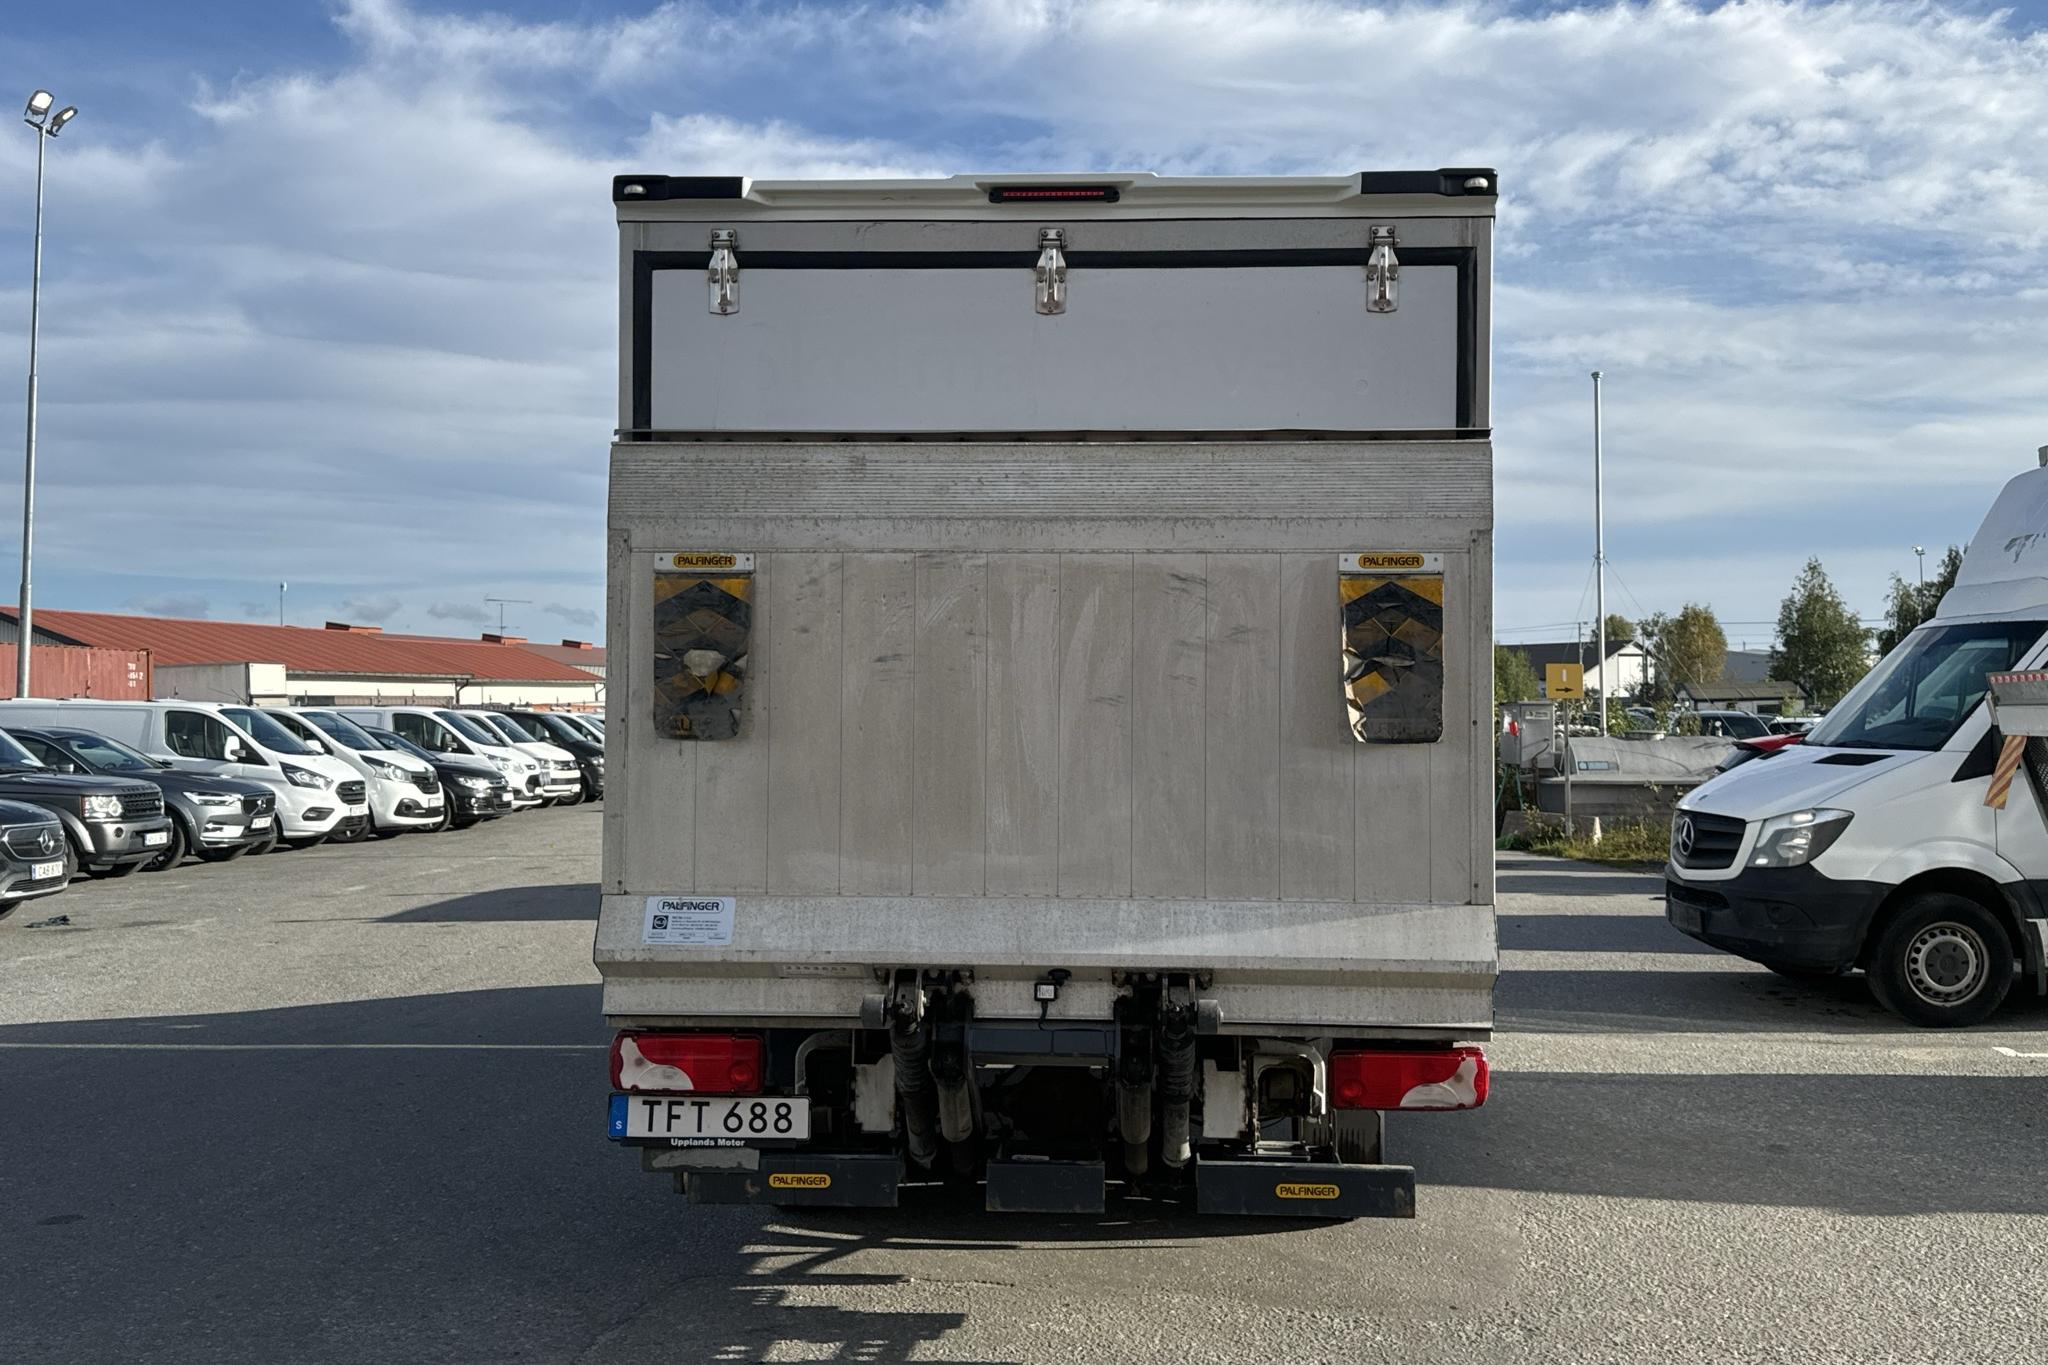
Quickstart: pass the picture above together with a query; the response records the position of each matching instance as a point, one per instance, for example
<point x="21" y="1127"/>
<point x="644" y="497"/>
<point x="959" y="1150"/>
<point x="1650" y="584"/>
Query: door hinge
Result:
<point x="1382" y="272"/>
<point x="723" y="277"/>
<point x="1050" y="274"/>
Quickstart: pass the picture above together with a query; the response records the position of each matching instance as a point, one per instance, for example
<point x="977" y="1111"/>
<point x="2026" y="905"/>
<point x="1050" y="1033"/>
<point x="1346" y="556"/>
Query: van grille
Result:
<point x="1715" y="839"/>
<point x="141" y="805"/>
<point x="426" y="782"/>
<point x="351" y="793"/>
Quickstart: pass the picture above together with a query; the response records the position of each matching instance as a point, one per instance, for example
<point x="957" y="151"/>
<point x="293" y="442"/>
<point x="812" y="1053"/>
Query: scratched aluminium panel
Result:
<point x="703" y="623"/>
<point x="1393" y="645"/>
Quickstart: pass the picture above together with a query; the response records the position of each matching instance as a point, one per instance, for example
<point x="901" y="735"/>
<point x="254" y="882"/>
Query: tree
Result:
<point x="1908" y="604"/>
<point x="1620" y="630"/>
<point x="1692" y="647"/>
<point x="1649" y="633"/>
<point x="1821" y="645"/>
<point x="1514" y="678"/>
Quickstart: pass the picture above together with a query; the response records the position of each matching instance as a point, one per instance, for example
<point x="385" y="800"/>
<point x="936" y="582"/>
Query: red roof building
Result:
<point x="341" y="664"/>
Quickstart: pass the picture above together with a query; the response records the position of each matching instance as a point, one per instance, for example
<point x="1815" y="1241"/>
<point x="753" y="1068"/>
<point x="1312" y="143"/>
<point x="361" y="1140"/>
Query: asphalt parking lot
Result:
<point x="347" y="1105"/>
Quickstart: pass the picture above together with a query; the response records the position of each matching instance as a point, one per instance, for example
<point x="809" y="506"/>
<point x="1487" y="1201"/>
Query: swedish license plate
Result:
<point x="156" y="838"/>
<point x="431" y="802"/>
<point x="358" y="810"/>
<point x="44" y="871"/>
<point x="710" y="1121"/>
<point x="259" y="822"/>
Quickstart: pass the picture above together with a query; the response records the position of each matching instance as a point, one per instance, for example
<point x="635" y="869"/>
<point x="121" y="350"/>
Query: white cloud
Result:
<point x="459" y="611"/>
<point x="372" y="610"/>
<point x="356" y="324"/>
<point x="575" y="616"/>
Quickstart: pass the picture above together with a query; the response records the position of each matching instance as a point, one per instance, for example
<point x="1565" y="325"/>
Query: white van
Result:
<point x="443" y="731"/>
<point x="315" y="793"/>
<point x="1878" y="841"/>
<point x="560" y="777"/>
<point x="404" y="792"/>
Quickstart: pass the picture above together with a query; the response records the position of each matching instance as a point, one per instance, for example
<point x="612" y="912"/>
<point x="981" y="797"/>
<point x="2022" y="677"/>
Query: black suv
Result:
<point x="475" y="790"/>
<point x="112" y="825"/>
<point x="549" y="728"/>
<point x="215" y="818"/>
<point x="32" y="861"/>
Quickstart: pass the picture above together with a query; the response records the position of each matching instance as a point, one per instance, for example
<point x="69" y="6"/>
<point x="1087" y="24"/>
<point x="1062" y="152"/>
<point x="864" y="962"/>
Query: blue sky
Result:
<point x="329" y="290"/>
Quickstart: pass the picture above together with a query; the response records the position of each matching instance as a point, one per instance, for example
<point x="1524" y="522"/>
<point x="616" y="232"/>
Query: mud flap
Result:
<point x="846" y="1180"/>
<point x="1393" y="605"/>
<point x="1302" y="1189"/>
<point x="1045" y="1187"/>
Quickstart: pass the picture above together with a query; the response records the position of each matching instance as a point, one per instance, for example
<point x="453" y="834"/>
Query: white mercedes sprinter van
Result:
<point x="1880" y="842"/>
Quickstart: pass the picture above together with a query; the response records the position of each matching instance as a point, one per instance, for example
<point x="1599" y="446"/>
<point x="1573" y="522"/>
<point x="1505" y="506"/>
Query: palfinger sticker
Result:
<point x="688" y="921"/>
<point x="1393" y="606"/>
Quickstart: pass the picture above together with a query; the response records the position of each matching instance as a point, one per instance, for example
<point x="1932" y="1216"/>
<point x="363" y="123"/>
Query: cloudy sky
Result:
<point x="329" y="287"/>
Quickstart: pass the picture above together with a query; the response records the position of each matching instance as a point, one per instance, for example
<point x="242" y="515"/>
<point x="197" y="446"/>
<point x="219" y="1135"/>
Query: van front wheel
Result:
<point x="1944" y="961"/>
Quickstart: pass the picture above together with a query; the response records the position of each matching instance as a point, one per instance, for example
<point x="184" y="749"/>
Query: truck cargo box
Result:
<point x="1053" y="580"/>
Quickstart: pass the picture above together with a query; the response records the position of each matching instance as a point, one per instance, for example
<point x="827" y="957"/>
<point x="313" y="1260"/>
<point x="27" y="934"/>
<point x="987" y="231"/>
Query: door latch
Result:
<point x="723" y="276"/>
<point x="1050" y="274"/>
<point x="1382" y="273"/>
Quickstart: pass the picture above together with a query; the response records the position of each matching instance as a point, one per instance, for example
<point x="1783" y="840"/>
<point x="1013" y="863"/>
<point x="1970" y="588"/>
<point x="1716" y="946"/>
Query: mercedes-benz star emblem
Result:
<point x="1682" y="839"/>
<point x="47" y="841"/>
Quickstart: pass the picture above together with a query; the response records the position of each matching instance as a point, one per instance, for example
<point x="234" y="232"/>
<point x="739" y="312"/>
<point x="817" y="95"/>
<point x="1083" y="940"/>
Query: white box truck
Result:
<point x="1050" y="639"/>
<point x="1906" y="835"/>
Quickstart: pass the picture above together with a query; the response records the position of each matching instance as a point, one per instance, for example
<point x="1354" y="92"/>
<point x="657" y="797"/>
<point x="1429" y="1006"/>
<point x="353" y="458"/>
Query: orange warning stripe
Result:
<point x="2009" y="754"/>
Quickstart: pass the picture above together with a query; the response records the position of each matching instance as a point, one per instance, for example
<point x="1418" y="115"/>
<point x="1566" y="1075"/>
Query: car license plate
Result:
<point x="45" y="871"/>
<point x="710" y="1121"/>
<point x="156" y="838"/>
<point x="431" y="802"/>
<point x="358" y="810"/>
<point x="259" y="822"/>
<point x="1685" y="918"/>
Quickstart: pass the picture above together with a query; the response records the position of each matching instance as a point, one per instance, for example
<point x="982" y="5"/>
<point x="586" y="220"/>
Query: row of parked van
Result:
<point x="109" y="788"/>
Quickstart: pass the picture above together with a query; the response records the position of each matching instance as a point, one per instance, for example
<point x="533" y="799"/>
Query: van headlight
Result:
<point x="102" y="807"/>
<point x="385" y="768"/>
<point x="1797" y="839"/>
<point x="305" y="777"/>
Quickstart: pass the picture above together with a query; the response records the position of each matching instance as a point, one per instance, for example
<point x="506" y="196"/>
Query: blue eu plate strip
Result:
<point x="617" y="1127"/>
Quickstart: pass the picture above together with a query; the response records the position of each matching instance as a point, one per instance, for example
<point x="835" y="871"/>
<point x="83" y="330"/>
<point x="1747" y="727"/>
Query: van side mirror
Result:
<point x="317" y="746"/>
<point x="232" y="751"/>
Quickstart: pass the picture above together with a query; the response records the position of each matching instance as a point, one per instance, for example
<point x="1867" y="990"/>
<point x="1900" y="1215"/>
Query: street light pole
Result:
<point x="1599" y="554"/>
<point x="1920" y="554"/>
<point x="36" y="115"/>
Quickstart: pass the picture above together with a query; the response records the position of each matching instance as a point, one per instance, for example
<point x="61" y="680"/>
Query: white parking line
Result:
<point x="2006" y="1051"/>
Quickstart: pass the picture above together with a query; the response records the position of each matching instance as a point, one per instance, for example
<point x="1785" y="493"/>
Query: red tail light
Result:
<point x="1440" y="1078"/>
<point x="716" y="1063"/>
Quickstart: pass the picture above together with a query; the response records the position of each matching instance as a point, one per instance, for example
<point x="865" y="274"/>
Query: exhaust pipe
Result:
<point x="1176" y="1080"/>
<point x="1134" y="1098"/>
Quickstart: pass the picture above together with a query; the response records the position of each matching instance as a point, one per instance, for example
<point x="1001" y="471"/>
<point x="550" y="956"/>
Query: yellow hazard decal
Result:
<point x="794" y="1180"/>
<point x="1289" y="1191"/>
<point x="703" y="622"/>
<point x="2009" y="755"/>
<point x="1393" y="651"/>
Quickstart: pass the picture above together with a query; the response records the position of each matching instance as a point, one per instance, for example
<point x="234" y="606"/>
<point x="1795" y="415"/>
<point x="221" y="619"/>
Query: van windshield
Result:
<point x="343" y="729"/>
<point x="470" y="730"/>
<point x="265" y="731"/>
<point x="1926" y="688"/>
